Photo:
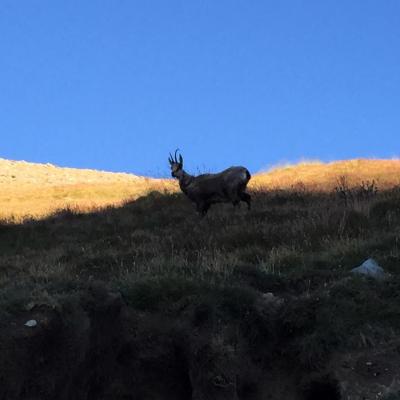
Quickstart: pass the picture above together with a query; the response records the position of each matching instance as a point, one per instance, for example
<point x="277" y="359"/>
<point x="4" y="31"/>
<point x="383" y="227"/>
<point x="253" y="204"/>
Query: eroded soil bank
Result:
<point x="97" y="347"/>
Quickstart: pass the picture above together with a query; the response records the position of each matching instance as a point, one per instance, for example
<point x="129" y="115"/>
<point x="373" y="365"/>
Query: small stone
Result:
<point x="31" y="323"/>
<point x="270" y="298"/>
<point x="370" y="268"/>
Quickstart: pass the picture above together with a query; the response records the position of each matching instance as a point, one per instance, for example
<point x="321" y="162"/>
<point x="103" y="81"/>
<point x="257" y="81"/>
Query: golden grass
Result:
<point x="37" y="190"/>
<point x="31" y="190"/>
<point x="34" y="201"/>
<point x="324" y="176"/>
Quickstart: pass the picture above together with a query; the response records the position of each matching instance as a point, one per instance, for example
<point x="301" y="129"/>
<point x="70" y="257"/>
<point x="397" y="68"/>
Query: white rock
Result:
<point x="370" y="268"/>
<point x="271" y="299"/>
<point x="31" y="323"/>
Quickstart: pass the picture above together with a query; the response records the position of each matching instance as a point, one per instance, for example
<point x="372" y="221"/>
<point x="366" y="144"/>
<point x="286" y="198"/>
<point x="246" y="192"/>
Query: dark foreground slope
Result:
<point x="148" y="301"/>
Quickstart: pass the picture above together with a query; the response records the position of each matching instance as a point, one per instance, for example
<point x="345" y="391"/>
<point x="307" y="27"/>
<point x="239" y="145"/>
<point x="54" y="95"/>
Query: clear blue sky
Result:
<point x="116" y="85"/>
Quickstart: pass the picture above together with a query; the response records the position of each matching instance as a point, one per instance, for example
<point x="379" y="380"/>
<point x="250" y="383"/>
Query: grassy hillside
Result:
<point x="319" y="176"/>
<point x="269" y="289"/>
<point x="30" y="190"/>
<point x="38" y="190"/>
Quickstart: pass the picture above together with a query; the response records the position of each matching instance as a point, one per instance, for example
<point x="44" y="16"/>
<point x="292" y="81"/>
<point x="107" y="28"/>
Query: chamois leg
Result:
<point x="246" y="198"/>
<point x="202" y="208"/>
<point x="233" y="196"/>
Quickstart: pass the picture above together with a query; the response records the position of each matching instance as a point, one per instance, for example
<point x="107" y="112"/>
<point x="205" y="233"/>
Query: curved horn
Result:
<point x="176" y="160"/>
<point x="170" y="159"/>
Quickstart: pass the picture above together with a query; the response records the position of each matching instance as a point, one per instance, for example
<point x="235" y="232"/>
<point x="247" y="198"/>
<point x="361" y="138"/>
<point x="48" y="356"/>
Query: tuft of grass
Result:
<point x="352" y="313"/>
<point x="158" y="293"/>
<point x="392" y="396"/>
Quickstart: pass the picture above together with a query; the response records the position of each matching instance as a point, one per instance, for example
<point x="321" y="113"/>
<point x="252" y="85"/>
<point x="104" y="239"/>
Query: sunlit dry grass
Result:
<point x="38" y="190"/>
<point x="33" y="201"/>
<point x="324" y="176"/>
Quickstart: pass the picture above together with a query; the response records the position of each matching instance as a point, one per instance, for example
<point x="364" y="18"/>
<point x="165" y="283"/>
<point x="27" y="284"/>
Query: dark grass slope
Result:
<point x="156" y="250"/>
<point x="216" y="272"/>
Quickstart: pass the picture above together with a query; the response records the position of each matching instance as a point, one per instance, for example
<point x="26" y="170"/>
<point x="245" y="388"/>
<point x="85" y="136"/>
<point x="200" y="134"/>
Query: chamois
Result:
<point x="227" y="186"/>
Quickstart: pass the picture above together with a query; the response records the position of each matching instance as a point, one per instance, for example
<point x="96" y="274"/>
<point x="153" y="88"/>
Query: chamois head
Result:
<point x="176" y="166"/>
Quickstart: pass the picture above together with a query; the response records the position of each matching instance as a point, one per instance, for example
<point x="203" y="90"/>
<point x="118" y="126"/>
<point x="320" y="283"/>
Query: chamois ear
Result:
<point x="180" y="160"/>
